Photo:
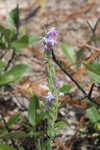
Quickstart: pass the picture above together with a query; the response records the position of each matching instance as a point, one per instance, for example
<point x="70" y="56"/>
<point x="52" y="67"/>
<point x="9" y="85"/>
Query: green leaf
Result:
<point x="98" y="125"/>
<point x="94" y="76"/>
<point x="93" y="115"/>
<point x="20" y="43"/>
<point x="12" y="18"/>
<point x="32" y="111"/>
<point x="68" y="52"/>
<point x="33" y="38"/>
<point x="13" y="119"/>
<point x="6" y="147"/>
<point x="24" y="41"/>
<point x="14" y="135"/>
<point x="93" y="70"/>
<point x="65" y="88"/>
<point x="6" y="36"/>
<point x="2" y="63"/>
<point x="41" y="115"/>
<point x="60" y="124"/>
<point x="9" y="34"/>
<point x="21" y="148"/>
<point x="39" y="145"/>
<point x="93" y="67"/>
<point x="16" y="73"/>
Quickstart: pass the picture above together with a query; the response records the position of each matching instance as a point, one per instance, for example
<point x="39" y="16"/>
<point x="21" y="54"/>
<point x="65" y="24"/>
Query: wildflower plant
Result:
<point x="38" y="129"/>
<point x="52" y="105"/>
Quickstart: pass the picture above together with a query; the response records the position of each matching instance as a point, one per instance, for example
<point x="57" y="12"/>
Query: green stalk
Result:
<point x="53" y="110"/>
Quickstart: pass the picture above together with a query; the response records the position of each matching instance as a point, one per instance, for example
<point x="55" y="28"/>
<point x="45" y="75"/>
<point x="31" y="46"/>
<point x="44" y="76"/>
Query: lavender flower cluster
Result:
<point x="50" y="97"/>
<point x="48" y="40"/>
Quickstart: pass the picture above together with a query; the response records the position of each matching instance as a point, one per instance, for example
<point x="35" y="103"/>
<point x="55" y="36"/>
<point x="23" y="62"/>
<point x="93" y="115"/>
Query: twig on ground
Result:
<point x="83" y="44"/>
<point x="93" y="29"/>
<point x="77" y="131"/>
<point x="61" y="145"/>
<point x="93" y="32"/>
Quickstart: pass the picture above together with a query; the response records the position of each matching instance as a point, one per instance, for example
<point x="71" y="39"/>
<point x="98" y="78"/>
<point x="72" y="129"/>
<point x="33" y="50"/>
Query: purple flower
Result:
<point x="50" y="96"/>
<point x="51" y="42"/>
<point x="61" y="94"/>
<point x="56" y="82"/>
<point x="51" y="33"/>
<point x="48" y="40"/>
<point x="45" y="47"/>
<point x="46" y="107"/>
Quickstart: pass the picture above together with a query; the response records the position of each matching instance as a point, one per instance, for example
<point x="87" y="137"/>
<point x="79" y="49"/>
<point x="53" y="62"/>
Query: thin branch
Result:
<point x="31" y="14"/>
<point x="10" y="60"/>
<point x="74" y="81"/>
<point x="93" y="29"/>
<point x="93" y="32"/>
<point x="91" y="90"/>
<point x="97" y="22"/>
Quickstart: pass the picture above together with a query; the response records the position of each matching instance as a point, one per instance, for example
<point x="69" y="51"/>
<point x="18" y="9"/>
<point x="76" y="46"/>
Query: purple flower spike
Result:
<point x="51" y="33"/>
<point x="50" y="96"/>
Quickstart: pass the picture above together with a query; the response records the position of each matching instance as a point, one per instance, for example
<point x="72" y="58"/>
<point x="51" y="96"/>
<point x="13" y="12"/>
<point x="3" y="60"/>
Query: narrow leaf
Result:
<point x="93" y="67"/>
<point x="12" y="18"/>
<point x="13" y="119"/>
<point x="94" y="76"/>
<point x="14" y="135"/>
<point x="32" y="112"/>
<point x="93" y="70"/>
<point x="60" y="124"/>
